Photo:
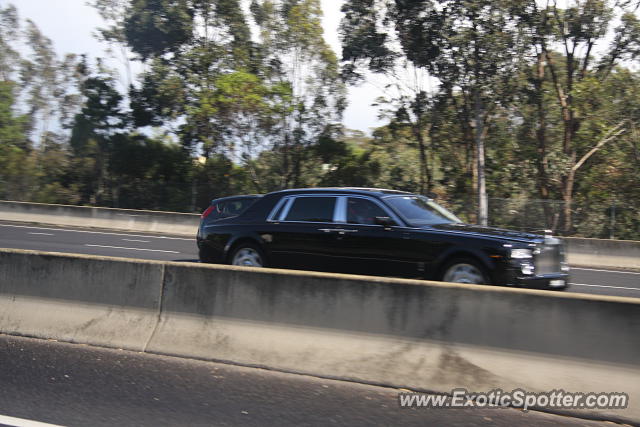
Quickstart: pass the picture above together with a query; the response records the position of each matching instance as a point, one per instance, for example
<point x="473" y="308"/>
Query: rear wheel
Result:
<point x="248" y="255"/>
<point x="465" y="270"/>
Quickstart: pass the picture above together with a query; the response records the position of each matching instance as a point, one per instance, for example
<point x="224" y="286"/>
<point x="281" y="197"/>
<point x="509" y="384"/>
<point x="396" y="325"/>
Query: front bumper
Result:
<point x="546" y="281"/>
<point x="512" y="273"/>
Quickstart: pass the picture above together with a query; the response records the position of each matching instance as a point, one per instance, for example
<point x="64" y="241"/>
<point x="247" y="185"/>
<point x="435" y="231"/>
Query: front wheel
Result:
<point x="465" y="271"/>
<point x="248" y="255"/>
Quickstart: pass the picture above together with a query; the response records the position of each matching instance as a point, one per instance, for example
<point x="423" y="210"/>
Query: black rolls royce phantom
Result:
<point x="376" y="232"/>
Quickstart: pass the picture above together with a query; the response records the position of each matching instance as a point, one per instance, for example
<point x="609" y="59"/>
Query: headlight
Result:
<point x="521" y="253"/>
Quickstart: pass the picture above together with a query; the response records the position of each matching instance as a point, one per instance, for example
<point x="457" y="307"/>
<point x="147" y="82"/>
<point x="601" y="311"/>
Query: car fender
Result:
<point x="462" y="251"/>
<point x="248" y="237"/>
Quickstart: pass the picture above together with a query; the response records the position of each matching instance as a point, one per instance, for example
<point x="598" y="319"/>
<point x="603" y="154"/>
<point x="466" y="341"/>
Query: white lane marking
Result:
<point x="20" y="422"/>
<point x="132" y="249"/>
<point x="100" y="232"/>
<point x="42" y="234"/>
<point x="604" y="286"/>
<point x="135" y="240"/>
<point x="606" y="271"/>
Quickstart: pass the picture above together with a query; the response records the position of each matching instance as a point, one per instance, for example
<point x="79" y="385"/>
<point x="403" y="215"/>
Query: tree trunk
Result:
<point x="567" y="197"/>
<point x="483" y="205"/>
<point x="425" y="172"/>
<point x="286" y="175"/>
<point x="541" y="136"/>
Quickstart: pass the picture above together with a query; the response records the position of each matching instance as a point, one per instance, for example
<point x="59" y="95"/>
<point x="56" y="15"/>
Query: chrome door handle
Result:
<point x="337" y="230"/>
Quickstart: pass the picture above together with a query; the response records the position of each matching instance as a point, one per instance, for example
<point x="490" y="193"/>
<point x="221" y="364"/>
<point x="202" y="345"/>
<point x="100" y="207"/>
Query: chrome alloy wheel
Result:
<point x="464" y="273"/>
<point x="248" y="257"/>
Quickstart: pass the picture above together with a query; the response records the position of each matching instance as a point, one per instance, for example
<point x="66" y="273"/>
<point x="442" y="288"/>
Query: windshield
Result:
<point x="419" y="211"/>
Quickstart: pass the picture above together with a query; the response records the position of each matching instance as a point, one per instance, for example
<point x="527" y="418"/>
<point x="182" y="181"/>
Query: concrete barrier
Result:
<point x="404" y="333"/>
<point x="603" y="253"/>
<point x="91" y="300"/>
<point x="116" y="219"/>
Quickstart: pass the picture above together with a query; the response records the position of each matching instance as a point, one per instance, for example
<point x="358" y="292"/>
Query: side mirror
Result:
<point x="385" y="221"/>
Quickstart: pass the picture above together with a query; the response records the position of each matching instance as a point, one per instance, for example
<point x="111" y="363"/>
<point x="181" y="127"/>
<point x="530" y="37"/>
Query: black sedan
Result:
<point x="378" y="232"/>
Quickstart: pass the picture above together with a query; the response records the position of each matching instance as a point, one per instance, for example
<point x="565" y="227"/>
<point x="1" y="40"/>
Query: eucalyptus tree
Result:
<point x="94" y="129"/>
<point x="472" y="47"/>
<point x="113" y="13"/>
<point x="302" y="70"/>
<point x="9" y="36"/>
<point x="12" y="142"/>
<point x="48" y="83"/>
<point x="185" y="46"/>
<point x="39" y="97"/>
<point x="576" y="49"/>
<point x="45" y="84"/>
<point x="413" y="111"/>
<point x="607" y="195"/>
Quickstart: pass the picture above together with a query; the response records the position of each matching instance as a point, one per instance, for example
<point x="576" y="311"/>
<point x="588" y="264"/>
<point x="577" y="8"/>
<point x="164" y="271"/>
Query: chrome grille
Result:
<point x="548" y="259"/>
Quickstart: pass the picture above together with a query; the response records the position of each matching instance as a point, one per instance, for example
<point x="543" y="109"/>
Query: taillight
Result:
<point x="207" y="212"/>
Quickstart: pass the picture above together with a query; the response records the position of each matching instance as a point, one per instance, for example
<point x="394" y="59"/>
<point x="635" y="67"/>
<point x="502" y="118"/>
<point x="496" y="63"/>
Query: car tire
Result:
<point x="248" y="255"/>
<point x="465" y="270"/>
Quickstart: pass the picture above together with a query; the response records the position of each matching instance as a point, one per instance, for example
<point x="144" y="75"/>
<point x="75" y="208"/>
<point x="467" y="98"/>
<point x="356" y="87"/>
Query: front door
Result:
<point x="368" y="248"/>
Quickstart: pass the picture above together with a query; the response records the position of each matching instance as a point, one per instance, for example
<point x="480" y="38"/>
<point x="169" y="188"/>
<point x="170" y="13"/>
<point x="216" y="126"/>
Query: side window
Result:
<point x="314" y="209"/>
<point x="234" y="207"/>
<point x="231" y="207"/>
<point x="363" y="211"/>
<point x="216" y="211"/>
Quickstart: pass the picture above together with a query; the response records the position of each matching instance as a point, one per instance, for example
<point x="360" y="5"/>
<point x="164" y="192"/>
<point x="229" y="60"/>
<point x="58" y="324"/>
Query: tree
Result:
<point x="154" y="28"/>
<point x="186" y="52"/>
<point x="94" y="127"/>
<point x="16" y="169"/>
<point x="47" y="84"/>
<point x="414" y="112"/>
<point x="303" y="73"/>
<point x="577" y="31"/>
<point x="9" y="35"/>
<point x="471" y="47"/>
<point x="149" y="173"/>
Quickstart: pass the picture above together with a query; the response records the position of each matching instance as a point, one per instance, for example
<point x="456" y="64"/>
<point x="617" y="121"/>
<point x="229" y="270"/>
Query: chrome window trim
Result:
<point x="340" y="213"/>
<point x="286" y="209"/>
<point x="276" y="208"/>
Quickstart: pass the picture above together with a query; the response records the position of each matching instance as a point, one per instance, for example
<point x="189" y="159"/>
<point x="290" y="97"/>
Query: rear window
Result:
<point x="233" y="207"/>
<point x="313" y="209"/>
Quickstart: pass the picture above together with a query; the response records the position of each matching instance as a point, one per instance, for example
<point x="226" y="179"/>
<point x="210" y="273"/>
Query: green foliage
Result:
<point x="234" y="102"/>
<point x="9" y="30"/>
<point x="15" y="165"/>
<point x="12" y="127"/>
<point x="156" y="27"/>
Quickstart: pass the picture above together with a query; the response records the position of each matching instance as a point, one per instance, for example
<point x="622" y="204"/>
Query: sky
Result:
<point x="70" y="25"/>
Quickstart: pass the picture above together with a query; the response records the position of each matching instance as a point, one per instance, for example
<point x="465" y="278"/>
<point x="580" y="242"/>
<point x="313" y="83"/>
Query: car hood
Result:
<point x="493" y="232"/>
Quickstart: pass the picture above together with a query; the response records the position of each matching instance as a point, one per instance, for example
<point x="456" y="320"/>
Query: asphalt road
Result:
<point x="172" y="248"/>
<point x="75" y="385"/>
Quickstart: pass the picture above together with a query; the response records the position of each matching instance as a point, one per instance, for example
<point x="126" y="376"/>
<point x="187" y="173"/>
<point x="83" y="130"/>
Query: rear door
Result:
<point x="300" y="236"/>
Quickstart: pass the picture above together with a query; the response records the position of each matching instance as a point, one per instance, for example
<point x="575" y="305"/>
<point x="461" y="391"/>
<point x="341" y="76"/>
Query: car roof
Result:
<point x="240" y="196"/>
<point x="378" y="192"/>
